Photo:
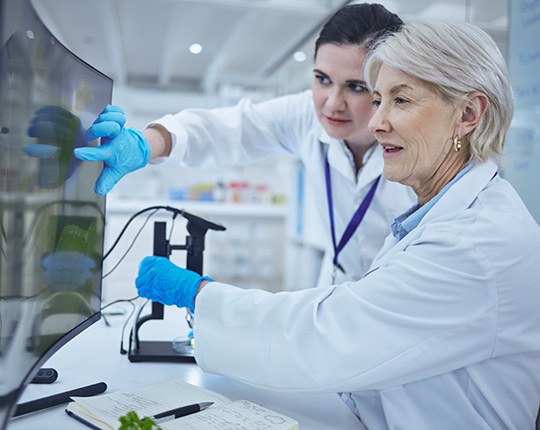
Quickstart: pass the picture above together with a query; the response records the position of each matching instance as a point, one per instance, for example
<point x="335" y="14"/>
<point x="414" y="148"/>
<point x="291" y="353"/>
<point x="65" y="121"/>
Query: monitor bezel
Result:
<point x="95" y="317"/>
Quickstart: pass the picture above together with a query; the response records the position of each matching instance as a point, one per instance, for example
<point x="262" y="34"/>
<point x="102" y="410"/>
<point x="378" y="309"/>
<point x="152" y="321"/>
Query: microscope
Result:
<point x="167" y="351"/>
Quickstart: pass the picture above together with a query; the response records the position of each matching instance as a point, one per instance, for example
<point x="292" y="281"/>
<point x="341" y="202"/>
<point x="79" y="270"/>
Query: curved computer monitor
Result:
<point x="51" y="221"/>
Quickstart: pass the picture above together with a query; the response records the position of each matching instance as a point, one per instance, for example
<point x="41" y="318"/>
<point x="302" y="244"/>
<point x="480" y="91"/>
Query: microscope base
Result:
<point x="157" y="351"/>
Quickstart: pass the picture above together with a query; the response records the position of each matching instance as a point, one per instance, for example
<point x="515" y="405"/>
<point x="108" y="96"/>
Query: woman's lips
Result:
<point x="389" y="149"/>
<point x="336" y="121"/>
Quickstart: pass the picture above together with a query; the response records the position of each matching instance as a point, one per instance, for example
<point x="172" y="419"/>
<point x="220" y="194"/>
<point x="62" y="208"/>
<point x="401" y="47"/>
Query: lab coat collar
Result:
<point x="460" y="196"/>
<point x="341" y="159"/>
<point x="372" y="169"/>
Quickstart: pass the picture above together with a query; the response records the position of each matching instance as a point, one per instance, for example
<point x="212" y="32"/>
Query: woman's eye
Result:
<point x="400" y="101"/>
<point x="376" y="103"/>
<point x="322" y="79"/>
<point x="358" y="88"/>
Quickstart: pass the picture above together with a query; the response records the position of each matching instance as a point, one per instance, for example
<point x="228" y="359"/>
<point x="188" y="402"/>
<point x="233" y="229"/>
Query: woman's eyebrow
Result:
<point x="356" y="82"/>
<point x="395" y="89"/>
<point x="348" y="81"/>
<point x="320" y="72"/>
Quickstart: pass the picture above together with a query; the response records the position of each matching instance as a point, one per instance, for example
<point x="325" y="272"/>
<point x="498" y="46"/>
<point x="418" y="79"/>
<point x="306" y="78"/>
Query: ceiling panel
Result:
<point x="281" y="34"/>
<point x="191" y="25"/>
<point x="143" y="28"/>
<point x="145" y="43"/>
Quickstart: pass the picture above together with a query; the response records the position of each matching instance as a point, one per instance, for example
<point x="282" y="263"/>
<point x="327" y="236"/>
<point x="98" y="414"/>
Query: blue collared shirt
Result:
<point x="404" y="223"/>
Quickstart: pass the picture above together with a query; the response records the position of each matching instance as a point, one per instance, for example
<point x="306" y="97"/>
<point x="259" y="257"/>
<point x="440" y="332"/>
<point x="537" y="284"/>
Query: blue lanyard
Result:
<point x="355" y="220"/>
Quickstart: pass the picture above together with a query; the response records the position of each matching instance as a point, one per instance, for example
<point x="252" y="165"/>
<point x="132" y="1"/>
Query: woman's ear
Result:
<point x="473" y="109"/>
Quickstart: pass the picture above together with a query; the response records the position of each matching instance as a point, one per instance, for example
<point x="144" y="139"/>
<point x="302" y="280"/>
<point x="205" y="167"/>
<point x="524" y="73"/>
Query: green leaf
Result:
<point x="131" y="421"/>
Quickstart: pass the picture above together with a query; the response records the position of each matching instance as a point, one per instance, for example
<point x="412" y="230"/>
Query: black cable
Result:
<point x="175" y="212"/>
<point x="122" y="350"/>
<point x="169" y="208"/>
<point x="172" y="227"/>
<point x="118" y="301"/>
<point x="133" y="336"/>
<point x="131" y="245"/>
<point x="128" y="318"/>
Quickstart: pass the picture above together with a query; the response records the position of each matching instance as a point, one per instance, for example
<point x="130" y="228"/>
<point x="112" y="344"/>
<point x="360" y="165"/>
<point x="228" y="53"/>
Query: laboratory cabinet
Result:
<point x="305" y="235"/>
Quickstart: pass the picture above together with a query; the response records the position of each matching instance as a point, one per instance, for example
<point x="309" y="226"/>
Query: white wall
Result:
<point x="523" y="139"/>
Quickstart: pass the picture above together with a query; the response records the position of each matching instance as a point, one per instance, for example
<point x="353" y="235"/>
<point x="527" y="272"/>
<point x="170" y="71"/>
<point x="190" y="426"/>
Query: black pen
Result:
<point x="58" y="399"/>
<point x="180" y="412"/>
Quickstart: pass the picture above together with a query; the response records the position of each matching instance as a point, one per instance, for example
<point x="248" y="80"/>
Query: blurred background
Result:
<point x="167" y="55"/>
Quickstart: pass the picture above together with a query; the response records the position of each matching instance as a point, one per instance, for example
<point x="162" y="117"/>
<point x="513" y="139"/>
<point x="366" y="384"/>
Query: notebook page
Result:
<point x="147" y="401"/>
<point x="238" y="415"/>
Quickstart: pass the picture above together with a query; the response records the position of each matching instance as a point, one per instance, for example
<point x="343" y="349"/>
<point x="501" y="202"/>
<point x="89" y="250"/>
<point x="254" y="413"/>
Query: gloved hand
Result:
<point x="123" y="150"/>
<point x="67" y="270"/>
<point x="162" y="281"/>
<point x="57" y="132"/>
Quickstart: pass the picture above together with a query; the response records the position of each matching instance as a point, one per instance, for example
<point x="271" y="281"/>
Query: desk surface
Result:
<point x="94" y="356"/>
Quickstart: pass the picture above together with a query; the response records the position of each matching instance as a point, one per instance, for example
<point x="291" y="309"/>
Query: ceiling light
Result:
<point x="300" y="56"/>
<point x="195" y="48"/>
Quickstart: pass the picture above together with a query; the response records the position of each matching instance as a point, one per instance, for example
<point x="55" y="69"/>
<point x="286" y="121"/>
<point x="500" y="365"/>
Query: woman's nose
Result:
<point x="336" y="101"/>
<point x="378" y="122"/>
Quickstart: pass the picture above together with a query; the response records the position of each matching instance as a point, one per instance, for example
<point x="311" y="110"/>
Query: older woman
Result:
<point x="443" y="332"/>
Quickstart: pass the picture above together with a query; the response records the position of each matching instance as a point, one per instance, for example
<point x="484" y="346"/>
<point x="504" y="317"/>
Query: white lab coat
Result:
<point x="443" y="332"/>
<point x="250" y="132"/>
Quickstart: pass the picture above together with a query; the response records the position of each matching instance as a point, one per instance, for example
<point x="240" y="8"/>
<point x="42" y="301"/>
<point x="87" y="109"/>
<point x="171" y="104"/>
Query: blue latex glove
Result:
<point x="67" y="270"/>
<point x="162" y="281"/>
<point x="123" y="150"/>
<point x="57" y="131"/>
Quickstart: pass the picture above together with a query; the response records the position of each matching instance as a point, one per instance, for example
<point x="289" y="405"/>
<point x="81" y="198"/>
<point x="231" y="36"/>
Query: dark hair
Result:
<point x="358" y="24"/>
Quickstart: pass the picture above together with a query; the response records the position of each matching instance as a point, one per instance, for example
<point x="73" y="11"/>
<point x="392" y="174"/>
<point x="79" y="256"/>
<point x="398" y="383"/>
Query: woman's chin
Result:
<point x="391" y="174"/>
<point x="336" y="134"/>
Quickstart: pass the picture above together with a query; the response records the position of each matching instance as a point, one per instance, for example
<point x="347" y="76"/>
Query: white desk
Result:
<point x="94" y="356"/>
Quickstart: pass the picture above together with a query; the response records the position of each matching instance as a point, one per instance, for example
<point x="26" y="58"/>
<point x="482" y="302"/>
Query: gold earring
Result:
<point x="457" y="144"/>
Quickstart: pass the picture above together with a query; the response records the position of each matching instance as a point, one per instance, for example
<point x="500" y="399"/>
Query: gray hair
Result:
<point x="456" y="59"/>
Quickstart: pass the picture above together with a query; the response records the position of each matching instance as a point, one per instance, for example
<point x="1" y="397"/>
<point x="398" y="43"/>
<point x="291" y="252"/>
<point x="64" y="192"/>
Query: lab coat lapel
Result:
<point x="373" y="169"/>
<point x="459" y="197"/>
<point x="337" y="158"/>
<point x="341" y="163"/>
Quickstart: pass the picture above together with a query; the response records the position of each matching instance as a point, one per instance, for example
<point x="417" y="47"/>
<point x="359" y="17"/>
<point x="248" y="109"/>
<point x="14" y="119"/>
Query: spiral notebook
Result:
<point x="103" y="412"/>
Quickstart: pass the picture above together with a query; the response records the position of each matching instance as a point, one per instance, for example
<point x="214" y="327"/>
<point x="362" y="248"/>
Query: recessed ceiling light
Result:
<point x="300" y="56"/>
<point x="195" y="48"/>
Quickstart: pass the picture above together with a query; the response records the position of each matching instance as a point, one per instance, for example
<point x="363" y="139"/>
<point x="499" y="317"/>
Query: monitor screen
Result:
<point x="51" y="221"/>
